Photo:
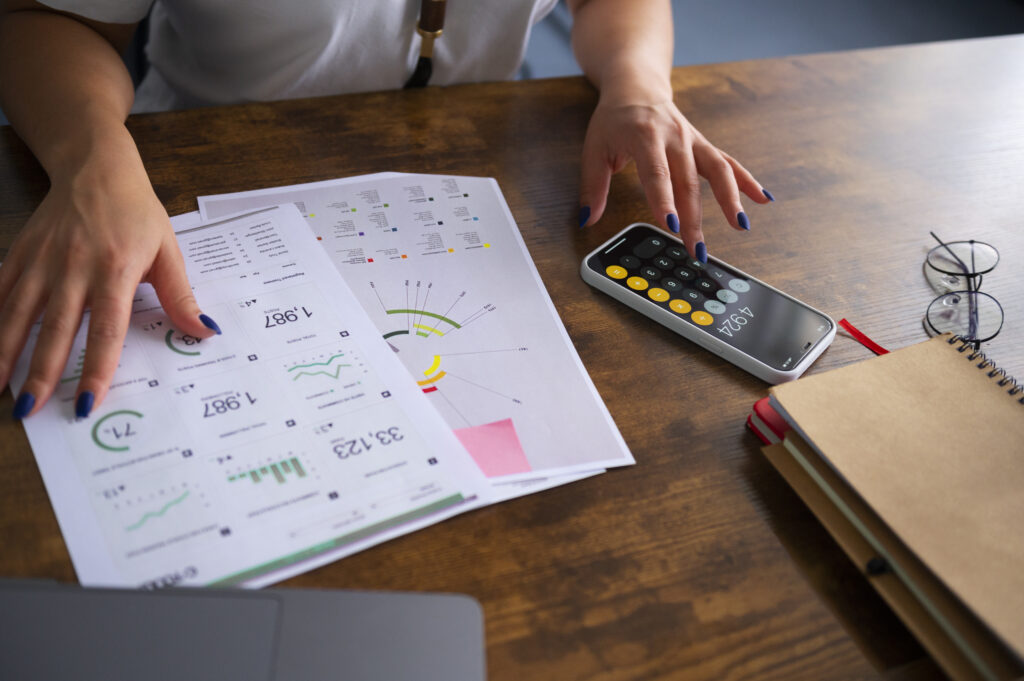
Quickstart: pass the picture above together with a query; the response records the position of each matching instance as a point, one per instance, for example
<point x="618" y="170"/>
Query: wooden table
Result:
<point x="698" y="562"/>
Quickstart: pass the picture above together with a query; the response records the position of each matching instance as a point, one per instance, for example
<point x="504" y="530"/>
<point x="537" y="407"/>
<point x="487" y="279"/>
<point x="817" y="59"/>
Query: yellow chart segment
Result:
<point x="428" y="329"/>
<point x="434" y="366"/>
<point x="432" y="379"/>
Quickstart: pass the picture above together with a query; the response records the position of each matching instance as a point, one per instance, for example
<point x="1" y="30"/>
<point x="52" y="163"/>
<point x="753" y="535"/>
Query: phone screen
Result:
<point x="713" y="297"/>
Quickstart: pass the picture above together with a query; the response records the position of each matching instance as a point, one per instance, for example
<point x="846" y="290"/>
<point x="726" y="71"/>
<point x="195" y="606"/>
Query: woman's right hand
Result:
<point x="97" y="234"/>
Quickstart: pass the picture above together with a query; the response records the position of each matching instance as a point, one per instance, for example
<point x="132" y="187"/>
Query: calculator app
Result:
<point x="742" y="312"/>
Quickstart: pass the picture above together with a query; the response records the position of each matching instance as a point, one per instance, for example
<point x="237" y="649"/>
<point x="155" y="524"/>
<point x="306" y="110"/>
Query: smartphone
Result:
<point x="758" y="328"/>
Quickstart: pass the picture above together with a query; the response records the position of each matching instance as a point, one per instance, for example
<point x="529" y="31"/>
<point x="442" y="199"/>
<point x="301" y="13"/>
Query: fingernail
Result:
<point x="767" y="195"/>
<point x="83" y="405"/>
<point x="744" y="221"/>
<point x="23" y="406"/>
<point x="673" y="222"/>
<point x="584" y="216"/>
<point x="702" y="252"/>
<point x="209" y="323"/>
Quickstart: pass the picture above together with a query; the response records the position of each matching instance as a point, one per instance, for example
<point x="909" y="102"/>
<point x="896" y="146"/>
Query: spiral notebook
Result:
<point x="931" y="439"/>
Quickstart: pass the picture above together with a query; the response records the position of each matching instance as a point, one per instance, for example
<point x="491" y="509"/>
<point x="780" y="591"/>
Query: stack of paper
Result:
<point x="298" y="436"/>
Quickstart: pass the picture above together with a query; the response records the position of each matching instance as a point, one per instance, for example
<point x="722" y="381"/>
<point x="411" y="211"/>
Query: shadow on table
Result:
<point x="871" y="624"/>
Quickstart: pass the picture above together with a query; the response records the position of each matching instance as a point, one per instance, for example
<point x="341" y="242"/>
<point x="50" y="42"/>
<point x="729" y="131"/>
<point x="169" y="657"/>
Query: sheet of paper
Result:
<point x="439" y="265"/>
<point x="292" y="440"/>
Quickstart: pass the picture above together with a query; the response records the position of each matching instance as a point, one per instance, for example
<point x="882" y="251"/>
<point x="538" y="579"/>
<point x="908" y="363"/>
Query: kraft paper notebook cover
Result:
<point x="933" y="444"/>
<point x="961" y="644"/>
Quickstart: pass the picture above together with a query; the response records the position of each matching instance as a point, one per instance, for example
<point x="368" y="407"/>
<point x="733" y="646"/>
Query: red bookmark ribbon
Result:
<point x="861" y="338"/>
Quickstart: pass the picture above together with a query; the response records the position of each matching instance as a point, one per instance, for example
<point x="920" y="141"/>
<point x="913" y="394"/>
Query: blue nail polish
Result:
<point x="673" y="222"/>
<point x="209" y="323"/>
<point x="744" y="221"/>
<point x="702" y="252"/>
<point x="584" y="215"/>
<point x="767" y="195"/>
<point x="23" y="406"/>
<point x="83" y="405"/>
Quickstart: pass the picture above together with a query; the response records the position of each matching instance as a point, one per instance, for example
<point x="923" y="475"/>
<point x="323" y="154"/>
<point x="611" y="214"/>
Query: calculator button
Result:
<point x="695" y="264"/>
<point x="671" y="285"/>
<point x="739" y="285"/>
<point x="649" y="247"/>
<point x="650" y="272"/>
<point x="702" y="318"/>
<point x="705" y="286"/>
<point x="676" y="252"/>
<point x="636" y="283"/>
<point x="630" y="262"/>
<point x="718" y="274"/>
<point x="679" y="306"/>
<point x="714" y="307"/>
<point x="616" y="272"/>
<point x="659" y="295"/>
<point x="692" y="297"/>
<point x="727" y="295"/>
<point x="684" y="274"/>
<point x="664" y="263"/>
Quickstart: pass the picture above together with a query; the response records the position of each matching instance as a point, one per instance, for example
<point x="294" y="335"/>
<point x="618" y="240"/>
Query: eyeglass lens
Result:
<point x="963" y="258"/>
<point x="972" y="315"/>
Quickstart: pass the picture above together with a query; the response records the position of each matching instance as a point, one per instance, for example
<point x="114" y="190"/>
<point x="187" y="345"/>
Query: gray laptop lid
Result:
<point x="50" y="631"/>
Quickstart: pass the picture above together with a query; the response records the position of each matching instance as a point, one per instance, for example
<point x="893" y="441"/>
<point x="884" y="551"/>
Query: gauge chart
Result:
<point x="456" y="347"/>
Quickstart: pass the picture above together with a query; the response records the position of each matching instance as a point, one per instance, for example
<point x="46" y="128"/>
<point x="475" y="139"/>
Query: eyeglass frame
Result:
<point x="972" y="291"/>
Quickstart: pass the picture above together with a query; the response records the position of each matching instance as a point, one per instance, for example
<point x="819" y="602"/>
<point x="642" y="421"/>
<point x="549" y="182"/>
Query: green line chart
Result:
<point x="319" y="368"/>
<point x="157" y="514"/>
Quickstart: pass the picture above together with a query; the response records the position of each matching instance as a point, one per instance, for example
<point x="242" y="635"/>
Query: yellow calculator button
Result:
<point x="702" y="318"/>
<point x="659" y="295"/>
<point x="679" y="306"/>
<point x="616" y="272"/>
<point x="636" y="283"/>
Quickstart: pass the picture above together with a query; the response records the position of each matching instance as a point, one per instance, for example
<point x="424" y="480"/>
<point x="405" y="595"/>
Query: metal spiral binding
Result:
<point x="1004" y="379"/>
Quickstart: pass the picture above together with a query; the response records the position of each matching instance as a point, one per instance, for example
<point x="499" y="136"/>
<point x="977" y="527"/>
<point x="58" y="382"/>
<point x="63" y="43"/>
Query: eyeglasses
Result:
<point x="955" y="271"/>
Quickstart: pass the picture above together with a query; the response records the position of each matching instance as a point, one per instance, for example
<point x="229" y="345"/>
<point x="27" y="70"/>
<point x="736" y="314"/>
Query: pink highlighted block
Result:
<point x="495" y="447"/>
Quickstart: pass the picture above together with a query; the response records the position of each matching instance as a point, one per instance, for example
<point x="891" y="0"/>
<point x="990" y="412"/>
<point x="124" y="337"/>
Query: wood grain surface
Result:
<point x="698" y="562"/>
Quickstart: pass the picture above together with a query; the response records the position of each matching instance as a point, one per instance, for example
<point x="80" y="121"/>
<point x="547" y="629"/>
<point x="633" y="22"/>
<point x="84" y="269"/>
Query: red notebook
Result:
<point x="766" y="423"/>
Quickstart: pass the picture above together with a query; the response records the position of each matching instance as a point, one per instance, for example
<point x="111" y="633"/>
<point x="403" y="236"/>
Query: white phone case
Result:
<point x="699" y="336"/>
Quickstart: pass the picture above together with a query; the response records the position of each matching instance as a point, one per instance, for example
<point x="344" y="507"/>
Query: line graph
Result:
<point x="156" y="514"/>
<point x="310" y="369"/>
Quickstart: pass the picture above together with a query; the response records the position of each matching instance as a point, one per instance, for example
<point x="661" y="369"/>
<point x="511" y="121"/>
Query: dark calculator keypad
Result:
<point x="663" y="272"/>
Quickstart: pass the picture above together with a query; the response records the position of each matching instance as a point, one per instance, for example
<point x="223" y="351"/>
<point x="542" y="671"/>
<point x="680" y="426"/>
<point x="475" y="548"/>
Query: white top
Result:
<point x="205" y="52"/>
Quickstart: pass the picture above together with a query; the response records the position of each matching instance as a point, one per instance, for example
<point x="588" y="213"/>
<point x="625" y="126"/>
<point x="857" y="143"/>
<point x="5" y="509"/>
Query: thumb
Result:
<point x="167" y="275"/>
<point x="596" y="175"/>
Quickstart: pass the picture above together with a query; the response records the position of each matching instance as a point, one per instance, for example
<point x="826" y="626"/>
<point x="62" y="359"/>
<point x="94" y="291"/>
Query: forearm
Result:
<point x="65" y="90"/>
<point x="625" y="47"/>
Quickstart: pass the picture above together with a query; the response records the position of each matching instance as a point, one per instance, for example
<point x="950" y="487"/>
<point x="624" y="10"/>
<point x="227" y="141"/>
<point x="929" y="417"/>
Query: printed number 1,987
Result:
<point x="282" y="318"/>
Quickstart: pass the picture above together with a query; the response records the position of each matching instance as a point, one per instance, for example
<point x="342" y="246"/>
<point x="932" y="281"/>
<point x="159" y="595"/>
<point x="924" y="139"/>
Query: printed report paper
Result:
<point x="292" y="440"/>
<point x="440" y="267"/>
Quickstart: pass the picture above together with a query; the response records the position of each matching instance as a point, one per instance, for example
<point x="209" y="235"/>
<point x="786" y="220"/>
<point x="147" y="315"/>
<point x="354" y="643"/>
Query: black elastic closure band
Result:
<point x="877" y="566"/>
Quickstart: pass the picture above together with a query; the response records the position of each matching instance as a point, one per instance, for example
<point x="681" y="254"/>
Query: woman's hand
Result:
<point x="669" y="154"/>
<point x="97" y="234"/>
